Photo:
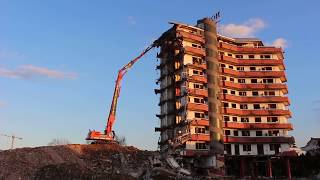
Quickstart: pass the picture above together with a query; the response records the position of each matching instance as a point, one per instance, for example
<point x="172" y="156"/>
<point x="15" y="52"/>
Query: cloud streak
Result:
<point x="280" y="42"/>
<point x="131" y="20"/>
<point x="316" y="105"/>
<point x="33" y="72"/>
<point x="316" y="102"/>
<point x="246" y="29"/>
<point x="316" y="109"/>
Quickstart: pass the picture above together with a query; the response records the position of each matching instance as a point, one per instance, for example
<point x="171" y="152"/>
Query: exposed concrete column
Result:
<point x="242" y="167"/>
<point x="288" y="168"/>
<point x="213" y="75"/>
<point x="269" y="168"/>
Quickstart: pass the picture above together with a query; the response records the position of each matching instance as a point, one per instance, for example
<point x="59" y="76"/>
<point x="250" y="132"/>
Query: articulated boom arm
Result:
<point x="117" y="88"/>
<point x="108" y="135"/>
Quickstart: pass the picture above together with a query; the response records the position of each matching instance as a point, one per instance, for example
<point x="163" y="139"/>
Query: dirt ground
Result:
<point x="108" y="161"/>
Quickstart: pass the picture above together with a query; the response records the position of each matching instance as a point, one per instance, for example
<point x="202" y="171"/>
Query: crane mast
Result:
<point x="108" y="135"/>
<point x="13" y="137"/>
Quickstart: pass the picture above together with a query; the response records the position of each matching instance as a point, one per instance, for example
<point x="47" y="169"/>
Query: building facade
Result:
<point x="221" y="97"/>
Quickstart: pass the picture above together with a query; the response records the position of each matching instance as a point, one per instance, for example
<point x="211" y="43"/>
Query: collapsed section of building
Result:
<point x="223" y="100"/>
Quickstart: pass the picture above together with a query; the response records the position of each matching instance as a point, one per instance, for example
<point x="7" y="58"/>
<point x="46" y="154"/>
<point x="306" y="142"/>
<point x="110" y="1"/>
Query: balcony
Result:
<point x="252" y="62"/>
<point x="255" y="140"/>
<point x="256" y="112"/>
<point x="191" y="37"/>
<point x="242" y="49"/>
<point x="200" y="137"/>
<point x="197" y="78"/>
<point x="197" y="107"/>
<point x="198" y="92"/>
<point x="178" y="92"/>
<point x="255" y="99"/>
<point x="195" y="152"/>
<point x="197" y="66"/>
<point x="199" y="122"/>
<point x="250" y="74"/>
<point x="194" y="51"/>
<point x="273" y="86"/>
<point x="234" y="125"/>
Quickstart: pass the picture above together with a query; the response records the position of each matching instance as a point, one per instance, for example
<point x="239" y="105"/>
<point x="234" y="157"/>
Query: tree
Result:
<point x="59" y="141"/>
<point x="121" y="140"/>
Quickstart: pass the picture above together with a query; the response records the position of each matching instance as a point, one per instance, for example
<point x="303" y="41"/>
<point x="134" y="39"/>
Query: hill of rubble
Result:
<point x="107" y="161"/>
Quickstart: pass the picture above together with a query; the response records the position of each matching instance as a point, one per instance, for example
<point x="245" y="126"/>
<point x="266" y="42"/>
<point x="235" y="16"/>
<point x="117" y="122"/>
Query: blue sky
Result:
<point x="59" y="59"/>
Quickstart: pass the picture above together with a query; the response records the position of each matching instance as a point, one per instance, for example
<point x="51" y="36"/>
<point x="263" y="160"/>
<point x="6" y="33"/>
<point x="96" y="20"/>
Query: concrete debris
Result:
<point x="174" y="165"/>
<point x="97" y="161"/>
<point x="108" y="161"/>
<point x="312" y="147"/>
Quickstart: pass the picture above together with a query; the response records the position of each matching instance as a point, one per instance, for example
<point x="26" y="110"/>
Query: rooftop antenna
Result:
<point x="13" y="137"/>
<point x="216" y="17"/>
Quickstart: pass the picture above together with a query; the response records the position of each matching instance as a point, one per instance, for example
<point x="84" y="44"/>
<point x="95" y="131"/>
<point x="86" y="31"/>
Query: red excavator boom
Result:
<point x="108" y="135"/>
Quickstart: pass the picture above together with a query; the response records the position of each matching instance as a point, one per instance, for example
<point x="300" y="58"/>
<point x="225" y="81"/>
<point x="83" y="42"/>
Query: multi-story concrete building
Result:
<point x="221" y="98"/>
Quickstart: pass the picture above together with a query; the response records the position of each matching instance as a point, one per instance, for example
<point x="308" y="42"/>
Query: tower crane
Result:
<point x="13" y="137"/>
<point x="109" y="135"/>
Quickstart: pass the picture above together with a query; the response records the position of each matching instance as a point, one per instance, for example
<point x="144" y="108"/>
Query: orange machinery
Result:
<point x="109" y="135"/>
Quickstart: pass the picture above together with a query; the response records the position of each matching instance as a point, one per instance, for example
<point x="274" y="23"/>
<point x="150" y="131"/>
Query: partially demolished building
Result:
<point x="222" y="99"/>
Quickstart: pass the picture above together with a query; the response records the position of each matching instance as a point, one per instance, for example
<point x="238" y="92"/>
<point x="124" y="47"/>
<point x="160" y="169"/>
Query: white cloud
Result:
<point x="31" y="72"/>
<point x="131" y="20"/>
<point x="280" y="42"/>
<point x="246" y="29"/>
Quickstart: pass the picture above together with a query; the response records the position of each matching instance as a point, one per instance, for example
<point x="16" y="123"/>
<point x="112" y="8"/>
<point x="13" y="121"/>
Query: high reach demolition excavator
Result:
<point x="109" y="135"/>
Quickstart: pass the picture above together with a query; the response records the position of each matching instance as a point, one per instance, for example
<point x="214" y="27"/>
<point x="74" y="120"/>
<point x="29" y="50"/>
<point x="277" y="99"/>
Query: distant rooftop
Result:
<point x="184" y="24"/>
<point x="242" y="40"/>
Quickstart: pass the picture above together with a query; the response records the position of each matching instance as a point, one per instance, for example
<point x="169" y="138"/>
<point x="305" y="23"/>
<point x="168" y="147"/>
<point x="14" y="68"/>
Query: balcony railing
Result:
<point x="200" y="137"/>
<point x="194" y="51"/>
<point x="252" y="62"/>
<point x="234" y="125"/>
<point x="255" y="99"/>
<point x="197" y="78"/>
<point x="200" y="122"/>
<point x="255" y="140"/>
<point x="197" y="107"/>
<point x="258" y="49"/>
<point x="257" y="112"/>
<point x="260" y="74"/>
<point x="197" y="65"/>
<point x="195" y="152"/>
<point x="280" y="86"/>
<point x="192" y="37"/>
<point x="198" y="92"/>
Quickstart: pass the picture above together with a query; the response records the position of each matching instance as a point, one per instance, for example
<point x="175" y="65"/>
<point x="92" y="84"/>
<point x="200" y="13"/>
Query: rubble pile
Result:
<point x="97" y="161"/>
<point x="94" y="161"/>
<point x="312" y="147"/>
